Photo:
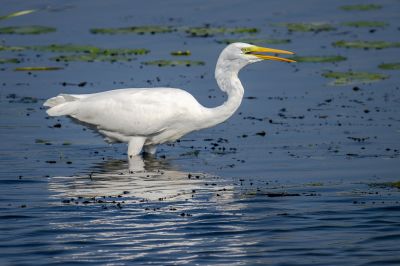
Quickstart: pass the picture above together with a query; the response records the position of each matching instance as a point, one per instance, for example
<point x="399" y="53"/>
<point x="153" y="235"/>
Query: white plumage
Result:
<point x="145" y="117"/>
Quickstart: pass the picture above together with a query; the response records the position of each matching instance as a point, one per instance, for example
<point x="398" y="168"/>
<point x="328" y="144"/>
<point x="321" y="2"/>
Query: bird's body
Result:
<point x="146" y="117"/>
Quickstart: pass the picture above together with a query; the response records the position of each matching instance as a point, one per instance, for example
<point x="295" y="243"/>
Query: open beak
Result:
<point x="256" y="50"/>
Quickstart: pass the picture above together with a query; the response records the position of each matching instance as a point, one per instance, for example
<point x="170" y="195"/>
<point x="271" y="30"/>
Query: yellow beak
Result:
<point x="255" y="50"/>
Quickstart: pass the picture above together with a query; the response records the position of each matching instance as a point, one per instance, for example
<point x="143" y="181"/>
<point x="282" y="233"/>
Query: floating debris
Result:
<point x="366" y="44"/>
<point x="365" y="24"/>
<point x="17" y="14"/>
<point x="37" y="68"/>
<point x="25" y="30"/>
<point x="152" y="29"/>
<point x="254" y="41"/>
<point x="345" y="78"/>
<point x="163" y="63"/>
<point x="390" y="66"/>
<point x="308" y="27"/>
<point x="319" y="59"/>
<point x="181" y="53"/>
<point x="207" y="31"/>
<point x="367" y="7"/>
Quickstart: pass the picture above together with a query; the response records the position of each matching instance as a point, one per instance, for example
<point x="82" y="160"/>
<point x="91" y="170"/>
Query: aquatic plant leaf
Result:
<point x="18" y="13"/>
<point x="151" y="29"/>
<point x="37" y="68"/>
<point x="163" y="63"/>
<point x="345" y="78"/>
<point x="73" y="48"/>
<point x="24" y="30"/>
<point x="366" y="44"/>
<point x="365" y="24"/>
<point x="390" y="66"/>
<point x="9" y="60"/>
<point x="254" y="41"/>
<point x="308" y="27"/>
<point x="11" y="48"/>
<point x="319" y="59"/>
<point x="361" y="7"/>
<point x="181" y="53"/>
<point x="211" y="31"/>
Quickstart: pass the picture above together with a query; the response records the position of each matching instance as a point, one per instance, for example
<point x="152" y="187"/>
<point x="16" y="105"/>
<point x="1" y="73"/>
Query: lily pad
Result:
<point x="345" y="78"/>
<point x="255" y="41"/>
<point x="73" y="48"/>
<point x="11" y="48"/>
<point x="365" y="24"/>
<point x="319" y="59"/>
<point x="163" y="63"/>
<point x="367" y="7"/>
<point x="37" y="68"/>
<point x="9" y="60"/>
<point x="308" y="27"/>
<point x="152" y="29"/>
<point x="366" y="44"/>
<point x="181" y="53"/>
<point x="211" y="31"/>
<point x="390" y="66"/>
<point x="17" y="14"/>
<point x="25" y="30"/>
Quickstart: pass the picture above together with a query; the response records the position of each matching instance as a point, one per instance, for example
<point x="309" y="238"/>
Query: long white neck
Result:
<point x="226" y="75"/>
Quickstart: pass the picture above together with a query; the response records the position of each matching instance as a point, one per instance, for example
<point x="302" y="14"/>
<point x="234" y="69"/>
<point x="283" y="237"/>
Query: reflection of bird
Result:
<point x="147" y="117"/>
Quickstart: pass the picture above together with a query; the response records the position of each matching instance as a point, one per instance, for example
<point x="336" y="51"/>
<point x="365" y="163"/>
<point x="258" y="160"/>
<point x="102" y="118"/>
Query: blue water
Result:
<point x="315" y="190"/>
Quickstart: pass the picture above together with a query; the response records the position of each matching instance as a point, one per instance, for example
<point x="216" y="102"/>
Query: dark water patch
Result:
<point x="172" y="63"/>
<point x="15" y="217"/>
<point x="27" y="30"/>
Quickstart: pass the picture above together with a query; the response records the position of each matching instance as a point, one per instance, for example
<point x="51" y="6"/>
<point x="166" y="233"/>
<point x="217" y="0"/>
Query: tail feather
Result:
<point x="62" y="104"/>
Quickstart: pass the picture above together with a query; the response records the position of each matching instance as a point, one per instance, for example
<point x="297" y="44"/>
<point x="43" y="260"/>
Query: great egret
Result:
<point x="145" y="117"/>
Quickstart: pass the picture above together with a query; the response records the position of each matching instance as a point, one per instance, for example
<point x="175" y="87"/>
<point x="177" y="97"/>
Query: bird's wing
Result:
<point x="136" y="111"/>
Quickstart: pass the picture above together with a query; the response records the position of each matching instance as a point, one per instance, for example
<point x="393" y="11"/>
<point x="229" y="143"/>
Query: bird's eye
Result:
<point x="246" y="50"/>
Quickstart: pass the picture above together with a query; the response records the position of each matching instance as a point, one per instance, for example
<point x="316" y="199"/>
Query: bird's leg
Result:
<point x="150" y="149"/>
<point x="135" y="145"/>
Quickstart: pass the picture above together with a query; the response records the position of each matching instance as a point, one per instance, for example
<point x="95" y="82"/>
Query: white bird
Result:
<point x="146" y="117"/>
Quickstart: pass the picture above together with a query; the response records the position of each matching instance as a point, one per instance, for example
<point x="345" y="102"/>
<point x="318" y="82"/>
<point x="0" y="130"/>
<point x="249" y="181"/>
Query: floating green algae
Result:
<point x="207" y="31"/>
<point x="319" y="59"/>
<point x="91" y="58"/>
<point x="366" y="44"/>
<point x="151" y="29"/>
<point x="73" y="48"/>
<point x="254" y="41"/>
<point x="11" y="48"/>
<point x="17" y="14"/>
<point x="181" y="53"/>
<point x="350" y="77"/>
<point x="365" y="24"/>
<point x="395" y="184"/>
<point x="9" y="60"/>
<point x="163" y="63"/>
<point x="367" y="7"/>
<point x="26" y="30"/>
<point x="390" y="66"/>
<point x="308" y="27"/>
<point x="37" y="68"/>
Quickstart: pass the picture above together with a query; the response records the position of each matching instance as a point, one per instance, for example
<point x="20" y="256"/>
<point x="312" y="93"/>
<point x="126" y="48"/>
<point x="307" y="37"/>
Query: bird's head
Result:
<point x="238" y="55"/>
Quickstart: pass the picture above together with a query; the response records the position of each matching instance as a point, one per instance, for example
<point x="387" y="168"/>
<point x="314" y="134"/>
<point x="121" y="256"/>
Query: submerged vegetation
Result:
<point x="150" y="29"/>
<point x="366" y="44"/>
<point x="350" y="77"/>
<point x="365" y="24"/>
<point x="25" y="30"/>
<point x="366" y="7"/>
<point x="308" y="27"/>
<point x="319" y="59"/>
<point x="163" y="63"/>
<point x="390" y="66"/>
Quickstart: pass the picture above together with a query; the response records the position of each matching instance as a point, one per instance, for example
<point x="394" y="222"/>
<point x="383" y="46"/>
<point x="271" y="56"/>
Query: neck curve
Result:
<point x="228" y="81"/>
